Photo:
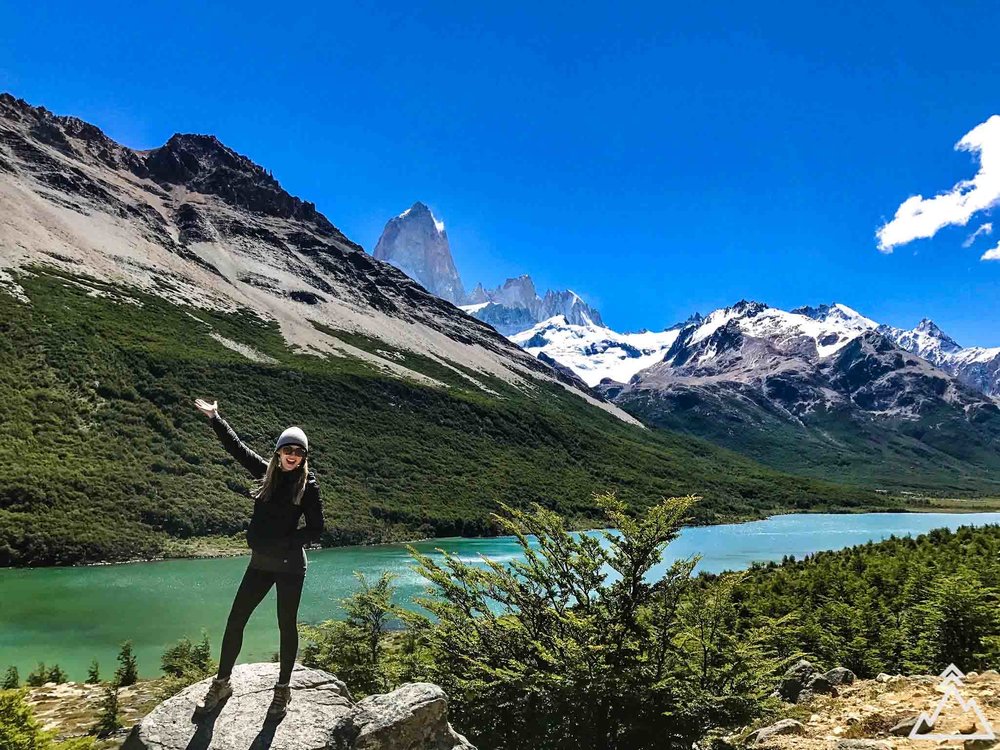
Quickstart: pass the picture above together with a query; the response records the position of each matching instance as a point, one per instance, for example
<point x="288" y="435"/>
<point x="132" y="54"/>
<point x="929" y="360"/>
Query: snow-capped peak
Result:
<point x="593" y="351"/>
<point x="419" y="208"/>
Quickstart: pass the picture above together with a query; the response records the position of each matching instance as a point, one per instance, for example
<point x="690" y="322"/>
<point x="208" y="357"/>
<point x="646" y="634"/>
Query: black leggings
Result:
<point x="253" y="588"/>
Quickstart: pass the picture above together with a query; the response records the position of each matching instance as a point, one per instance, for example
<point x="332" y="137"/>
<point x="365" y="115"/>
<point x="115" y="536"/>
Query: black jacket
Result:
<point x="273" y="530"/>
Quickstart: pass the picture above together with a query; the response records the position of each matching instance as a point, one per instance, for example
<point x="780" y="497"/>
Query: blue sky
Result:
<point x="656" y="158"/>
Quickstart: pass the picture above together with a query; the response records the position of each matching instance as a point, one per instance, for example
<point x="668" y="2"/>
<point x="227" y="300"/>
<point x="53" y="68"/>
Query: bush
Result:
<point x="354" y="649"/>
<point x="19" y="730"/>
<point x="188" y="660"/>
<point x="108" y="721"/>
<point x="555" y="652"/>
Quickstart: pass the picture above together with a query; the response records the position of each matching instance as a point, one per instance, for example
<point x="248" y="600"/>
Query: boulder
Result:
<point x="321" y="715"/>
<point x="863" y="745"/>
<point x="816" y="684"/>
<point x="840" y="676"/>
<point x="794" y="680"/>
<point x="904" y="727"/>
<point x="759" y="737"/>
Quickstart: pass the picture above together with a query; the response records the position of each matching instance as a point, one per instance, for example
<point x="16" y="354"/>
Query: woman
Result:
<point x="285" y="491"/>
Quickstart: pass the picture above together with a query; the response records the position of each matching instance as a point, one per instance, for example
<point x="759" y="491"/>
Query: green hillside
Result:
<point x="106" y="457"/>
<point x="942" y="453"/>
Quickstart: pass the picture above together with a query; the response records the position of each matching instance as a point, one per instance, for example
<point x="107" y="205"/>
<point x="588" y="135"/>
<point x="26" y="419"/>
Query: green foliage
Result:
<point x="575" y="648"/>
<point x="93" y="673"/>
<point x="128" y="668"/>
<point x="193" y="661"/>
<point x="56" y="675"/>
<point x="108" y="720"/>
<point x="11" y="679"/>
<point x="185" y="663"/>
<point x="39" y="676"/>
<point x="396" y="458"/>
<point x="354" y="648"/>
<point x="955" y="456"/>
<point x="903" y="605"/>
<point x="19" y="730"/>
<point x="957" y="622"/>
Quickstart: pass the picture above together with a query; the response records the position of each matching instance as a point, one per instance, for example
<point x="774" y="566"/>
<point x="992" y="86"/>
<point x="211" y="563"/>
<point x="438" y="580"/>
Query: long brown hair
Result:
<point x="265" y="486"/>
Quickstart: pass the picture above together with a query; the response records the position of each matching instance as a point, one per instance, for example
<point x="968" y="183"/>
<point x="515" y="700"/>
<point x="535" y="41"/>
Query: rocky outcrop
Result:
<point x="417" y="244"/>
<point x="803" y="681"/>
<point x="976" y="366"/>
<point x="321" y="714"/>
<point x="515" y="306"/>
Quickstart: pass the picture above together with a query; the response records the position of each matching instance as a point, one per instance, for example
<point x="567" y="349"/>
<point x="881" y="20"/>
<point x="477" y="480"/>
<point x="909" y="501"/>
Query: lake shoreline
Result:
<point x="197" y="550"/>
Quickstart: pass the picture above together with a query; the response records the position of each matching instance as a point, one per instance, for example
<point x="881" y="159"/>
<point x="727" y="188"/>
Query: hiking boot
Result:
<point x="218" y="691"/>
<point x="279" y="703"/>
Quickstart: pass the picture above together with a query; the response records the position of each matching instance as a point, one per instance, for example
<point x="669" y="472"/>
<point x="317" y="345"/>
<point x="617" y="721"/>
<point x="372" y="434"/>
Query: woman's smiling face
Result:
<point x="292" y="456"/>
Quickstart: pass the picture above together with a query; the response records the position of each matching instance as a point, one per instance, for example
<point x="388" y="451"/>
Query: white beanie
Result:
<point x="292" y="436"/>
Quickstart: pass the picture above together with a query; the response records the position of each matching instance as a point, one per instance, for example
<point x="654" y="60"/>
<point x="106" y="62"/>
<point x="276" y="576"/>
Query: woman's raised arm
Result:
<point x="244" y="454"/>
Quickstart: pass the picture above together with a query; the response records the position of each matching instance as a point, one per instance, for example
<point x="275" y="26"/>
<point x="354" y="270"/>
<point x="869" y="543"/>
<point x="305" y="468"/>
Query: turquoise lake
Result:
<point x="70" y="616"/>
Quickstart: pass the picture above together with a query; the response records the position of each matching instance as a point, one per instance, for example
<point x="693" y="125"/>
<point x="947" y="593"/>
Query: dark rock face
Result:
<point x="203" y="164"/>
<point x="568" y="376"/>
<point x="975" y="367"/>
<point x="321" y="715"/>
<point x="507" y="320"/>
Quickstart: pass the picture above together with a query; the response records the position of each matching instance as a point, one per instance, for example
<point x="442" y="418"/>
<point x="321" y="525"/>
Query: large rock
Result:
<point x="760" y="737"/>
<point x="840" y="676"/>
<point x="321" y="716"/>
<point x="794" y="680"/>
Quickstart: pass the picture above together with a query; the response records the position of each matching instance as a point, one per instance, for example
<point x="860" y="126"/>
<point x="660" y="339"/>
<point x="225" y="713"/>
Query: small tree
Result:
<point x="94" y="673"/>
<point x="11" y="679"/>
<point x="38" y="677"/>
<point x="108" y="720"/>
<point x="128" y="670"/>
<point x="56" y="675"/>
<point x="187" y="660"/>
<point x="354" y="648"/>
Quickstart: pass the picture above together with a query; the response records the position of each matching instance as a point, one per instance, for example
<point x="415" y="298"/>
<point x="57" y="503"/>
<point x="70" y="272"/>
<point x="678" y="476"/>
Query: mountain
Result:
<point x="515" y="305"/>
<point x="417" y="243"/>
<point x="135" y="281"/>
<point x="819" y="391"/>
<point x="594" y="352"/>
<point x="975" y="366"/>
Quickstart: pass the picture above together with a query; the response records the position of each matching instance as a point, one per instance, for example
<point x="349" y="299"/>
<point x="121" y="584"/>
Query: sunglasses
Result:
<point x="288" y="451"/>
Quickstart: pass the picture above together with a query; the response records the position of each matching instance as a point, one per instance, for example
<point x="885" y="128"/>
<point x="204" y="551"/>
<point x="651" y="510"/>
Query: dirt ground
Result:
<point x="869" y="708"/>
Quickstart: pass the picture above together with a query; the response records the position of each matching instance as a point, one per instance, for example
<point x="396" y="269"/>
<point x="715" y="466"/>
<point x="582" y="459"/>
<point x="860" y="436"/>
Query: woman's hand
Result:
<point x="208" y="409"/>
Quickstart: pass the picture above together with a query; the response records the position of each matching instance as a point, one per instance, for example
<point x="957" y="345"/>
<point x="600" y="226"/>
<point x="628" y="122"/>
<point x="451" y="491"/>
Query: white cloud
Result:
<point x="986" y="228"/>
<point x="992" y="254"/>
<point x="919" y="217"/>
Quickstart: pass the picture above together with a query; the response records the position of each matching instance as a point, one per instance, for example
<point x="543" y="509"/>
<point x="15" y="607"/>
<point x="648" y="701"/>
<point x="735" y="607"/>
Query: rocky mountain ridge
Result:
<point x="416" y="242"/>
<point x="200" y="224"/>
<point x="805" y="390"/>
